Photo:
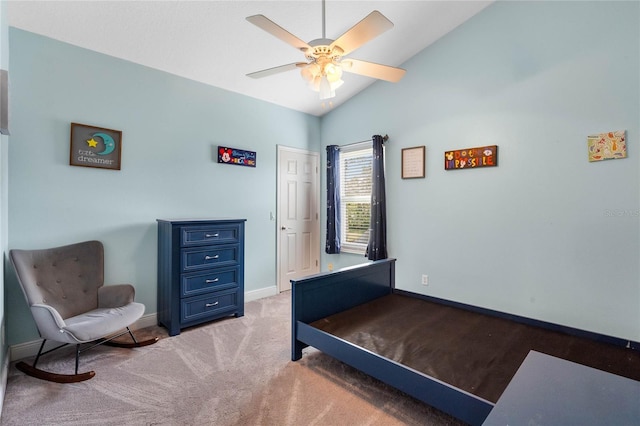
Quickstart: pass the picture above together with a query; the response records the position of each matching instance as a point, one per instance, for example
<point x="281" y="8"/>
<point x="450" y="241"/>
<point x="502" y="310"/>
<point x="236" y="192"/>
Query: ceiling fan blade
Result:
<point x="277" y="70"/>
<point x="370" y="69"/>
<point x="369" y="28"/>
<point x="276" y="30"/>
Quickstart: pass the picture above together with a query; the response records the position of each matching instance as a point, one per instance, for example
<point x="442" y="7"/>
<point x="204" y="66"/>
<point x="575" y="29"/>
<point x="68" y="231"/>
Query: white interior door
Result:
<point x="298" y="216"/>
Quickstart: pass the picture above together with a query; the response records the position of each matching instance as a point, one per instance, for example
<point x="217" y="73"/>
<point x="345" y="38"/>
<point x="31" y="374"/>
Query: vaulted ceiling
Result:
<point x="212" y="42"/>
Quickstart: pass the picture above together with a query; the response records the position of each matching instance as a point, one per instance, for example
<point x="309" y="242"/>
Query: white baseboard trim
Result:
<point x="260" y="293"/>
<point x="148" y="320"/>
<point x="24" y="350"/>
<point x="28" y="349"/>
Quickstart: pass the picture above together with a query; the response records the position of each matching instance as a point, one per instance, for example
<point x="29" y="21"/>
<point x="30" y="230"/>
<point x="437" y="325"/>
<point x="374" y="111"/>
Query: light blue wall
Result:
<point x="545" y="234"/>
<point x="170" y="127"/>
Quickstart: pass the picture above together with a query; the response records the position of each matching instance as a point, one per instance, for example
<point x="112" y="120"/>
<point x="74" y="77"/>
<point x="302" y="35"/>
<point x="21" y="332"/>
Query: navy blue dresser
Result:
<point x="200" y="271"/>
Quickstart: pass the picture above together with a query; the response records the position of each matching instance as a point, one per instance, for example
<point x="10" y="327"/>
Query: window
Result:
<point x="355" y="197"/>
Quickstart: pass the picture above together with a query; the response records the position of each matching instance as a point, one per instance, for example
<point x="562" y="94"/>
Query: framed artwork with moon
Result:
<point x="95" y="147"/>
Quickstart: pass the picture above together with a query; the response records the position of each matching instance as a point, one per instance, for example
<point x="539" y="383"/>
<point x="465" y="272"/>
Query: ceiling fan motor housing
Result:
<point x="321" y="48"/>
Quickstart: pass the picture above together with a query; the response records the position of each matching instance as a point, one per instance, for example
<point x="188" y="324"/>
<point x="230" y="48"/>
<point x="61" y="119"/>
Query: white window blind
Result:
<point x="355" y="197"/>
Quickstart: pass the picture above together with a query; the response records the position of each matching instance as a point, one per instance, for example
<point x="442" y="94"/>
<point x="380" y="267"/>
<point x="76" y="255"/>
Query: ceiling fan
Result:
<point x="326" y="57"/>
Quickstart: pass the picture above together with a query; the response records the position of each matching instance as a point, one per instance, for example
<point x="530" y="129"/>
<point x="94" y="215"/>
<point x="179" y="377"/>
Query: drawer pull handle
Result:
<point x="211" y="281"/>
<point x="216" y="235"/>
<point x="208" y="305"/>
<point x="211" y="257"/>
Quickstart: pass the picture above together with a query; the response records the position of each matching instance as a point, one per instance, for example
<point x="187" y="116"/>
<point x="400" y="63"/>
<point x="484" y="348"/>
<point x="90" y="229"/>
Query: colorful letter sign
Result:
<point x="238" y="157"/>
<point x="471" y="158"/>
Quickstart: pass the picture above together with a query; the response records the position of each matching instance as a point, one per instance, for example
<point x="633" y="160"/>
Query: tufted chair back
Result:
<point x="66" y="278"/>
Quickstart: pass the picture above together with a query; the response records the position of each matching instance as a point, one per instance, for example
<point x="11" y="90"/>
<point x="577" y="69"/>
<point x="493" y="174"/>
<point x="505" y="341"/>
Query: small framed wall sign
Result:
<point x="471" y="158"/>
<point x="413" y="162"/>
<point x="95" y="147"/>
<point x="235" y="156"/>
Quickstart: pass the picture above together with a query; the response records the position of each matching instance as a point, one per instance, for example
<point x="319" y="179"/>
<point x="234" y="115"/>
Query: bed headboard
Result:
<point x="321" y="295"/>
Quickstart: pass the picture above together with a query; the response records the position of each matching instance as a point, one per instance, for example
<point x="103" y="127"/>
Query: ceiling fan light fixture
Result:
<point x="331" y="78"/>
<point x="310" y="72"/>
<point x="306" y="74"/>
<point x="326" y="91"/>
<point x="315" y="83"/>
<point x="324" y="79"/>
<point x="333" y="72"/>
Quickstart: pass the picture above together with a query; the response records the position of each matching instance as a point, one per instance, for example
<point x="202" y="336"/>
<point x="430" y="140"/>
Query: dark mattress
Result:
<point x="474" y="352"/>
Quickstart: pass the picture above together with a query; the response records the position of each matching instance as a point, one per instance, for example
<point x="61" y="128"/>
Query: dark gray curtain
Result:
<point x="377" y="248"/>
<point x="333" y="200"/>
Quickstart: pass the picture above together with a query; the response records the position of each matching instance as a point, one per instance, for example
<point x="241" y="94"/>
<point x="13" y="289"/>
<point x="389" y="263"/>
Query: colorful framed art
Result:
<point x="235" y="156"/>
<point x="95" y="147"/>
<point x="607" y="146"/>
<point x="471" y="158"/>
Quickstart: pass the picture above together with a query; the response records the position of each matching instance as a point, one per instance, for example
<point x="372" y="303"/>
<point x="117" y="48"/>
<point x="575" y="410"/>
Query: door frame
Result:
<point x="283" y="148"/>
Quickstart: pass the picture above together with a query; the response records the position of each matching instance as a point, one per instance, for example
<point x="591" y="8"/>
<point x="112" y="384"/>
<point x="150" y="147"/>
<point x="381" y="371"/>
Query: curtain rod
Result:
<point x="384" y="139"/>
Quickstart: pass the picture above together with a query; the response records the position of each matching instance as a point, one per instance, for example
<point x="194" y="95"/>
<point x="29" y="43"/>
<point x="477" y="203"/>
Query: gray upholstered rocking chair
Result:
<point x="70" y="305"/>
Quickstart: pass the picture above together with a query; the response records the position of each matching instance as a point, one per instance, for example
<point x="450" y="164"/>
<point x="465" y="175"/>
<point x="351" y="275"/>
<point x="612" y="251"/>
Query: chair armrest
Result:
<point x="49" y="322"/>
<point x="114" y="296"/>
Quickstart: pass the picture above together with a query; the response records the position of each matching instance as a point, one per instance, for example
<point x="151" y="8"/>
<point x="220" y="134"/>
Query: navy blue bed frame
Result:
<point x="321" y="295"/>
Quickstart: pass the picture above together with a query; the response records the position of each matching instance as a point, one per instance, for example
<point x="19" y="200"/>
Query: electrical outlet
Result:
<point x="330" y="267"/>
<point x="425" y="279"/>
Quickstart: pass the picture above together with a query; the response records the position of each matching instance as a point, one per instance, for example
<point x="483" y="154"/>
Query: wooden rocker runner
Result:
<point x="64" y="287"/>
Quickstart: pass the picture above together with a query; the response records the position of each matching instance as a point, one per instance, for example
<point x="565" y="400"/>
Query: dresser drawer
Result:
<point x="209" y="257"/>
<point x="198" y="307"/>
<point x="211" y="234"/>
<point x="203" y="282"/>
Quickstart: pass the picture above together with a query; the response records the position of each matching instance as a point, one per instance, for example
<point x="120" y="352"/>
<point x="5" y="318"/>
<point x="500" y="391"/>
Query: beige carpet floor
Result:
<point x="235" y="371"/>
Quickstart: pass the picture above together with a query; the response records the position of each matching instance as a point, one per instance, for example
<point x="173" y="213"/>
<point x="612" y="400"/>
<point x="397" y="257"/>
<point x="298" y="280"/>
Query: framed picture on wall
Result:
<point x="95" y="147"/>
<point x="607" y="146"/>
<point x="413" y="162"/>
